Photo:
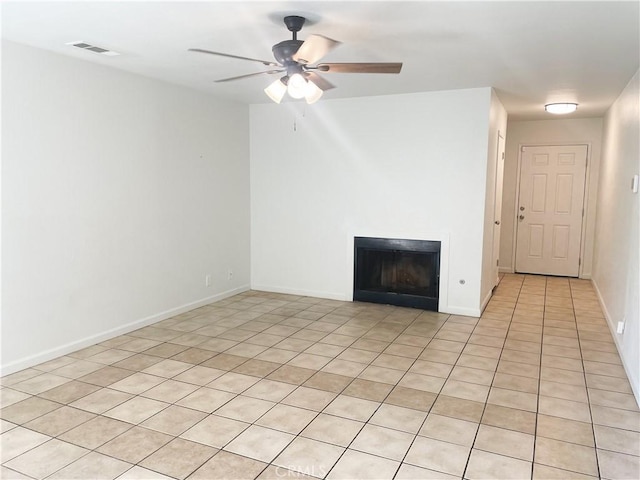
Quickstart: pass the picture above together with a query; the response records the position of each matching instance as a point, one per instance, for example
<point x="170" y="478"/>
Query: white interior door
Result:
<point x="497" y="207"/>
<point x="550" y="209"/>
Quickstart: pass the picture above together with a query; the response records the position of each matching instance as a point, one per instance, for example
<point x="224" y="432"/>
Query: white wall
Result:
<point x="497" y="126"/>
<point x="550" y="132"/>
<point x="400" y="166"/>
<point x="615" y="273"/>
<point x="119" y="194"/>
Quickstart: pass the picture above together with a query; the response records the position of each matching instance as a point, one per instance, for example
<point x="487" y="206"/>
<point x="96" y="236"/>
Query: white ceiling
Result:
<point x="532" y="52"/>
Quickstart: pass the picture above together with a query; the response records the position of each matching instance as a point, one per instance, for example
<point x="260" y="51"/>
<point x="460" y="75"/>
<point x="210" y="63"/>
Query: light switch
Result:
<point x="634" y="184"/>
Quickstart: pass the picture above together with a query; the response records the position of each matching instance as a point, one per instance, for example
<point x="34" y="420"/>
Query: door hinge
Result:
<point x="503" y="155"/>
<point x="583" y="211"/>
<point x="497" y="261"/>
<point x="579" y="261"/>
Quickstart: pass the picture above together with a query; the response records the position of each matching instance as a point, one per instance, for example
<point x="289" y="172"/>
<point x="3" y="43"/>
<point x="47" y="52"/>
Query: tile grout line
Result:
<point x="584" y="374"/>
<point x="492" y="380"/>
<point x="535" y="429"/>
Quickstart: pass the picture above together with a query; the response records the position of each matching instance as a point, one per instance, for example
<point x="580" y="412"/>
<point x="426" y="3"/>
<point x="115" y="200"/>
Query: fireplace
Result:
<point x="397" y="272"/>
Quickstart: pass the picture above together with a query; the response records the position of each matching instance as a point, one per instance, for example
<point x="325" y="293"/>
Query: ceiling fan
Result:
<point x="298" y="60"/>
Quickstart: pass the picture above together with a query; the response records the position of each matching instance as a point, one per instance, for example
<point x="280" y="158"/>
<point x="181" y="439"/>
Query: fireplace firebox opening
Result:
<point x="397" y="272"/>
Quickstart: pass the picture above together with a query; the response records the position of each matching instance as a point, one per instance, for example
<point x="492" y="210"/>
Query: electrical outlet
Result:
<point x="230" y="274"/>
<point x="207" y="280"/>
<point x="620" y="329"/>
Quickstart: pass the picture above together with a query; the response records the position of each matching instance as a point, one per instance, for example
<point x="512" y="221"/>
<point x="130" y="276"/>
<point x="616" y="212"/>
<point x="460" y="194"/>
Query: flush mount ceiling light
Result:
<point x="299" y="60"/>
<point x="561" y="108"/>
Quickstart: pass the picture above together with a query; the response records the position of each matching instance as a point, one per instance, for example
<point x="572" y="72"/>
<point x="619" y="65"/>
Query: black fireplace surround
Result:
<point x="397" y="272"/>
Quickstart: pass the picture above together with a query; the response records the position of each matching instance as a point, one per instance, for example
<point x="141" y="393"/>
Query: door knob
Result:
<point x="521" y="217"/>
<point x="522" y="209"/>
<point x="497" y="222"/>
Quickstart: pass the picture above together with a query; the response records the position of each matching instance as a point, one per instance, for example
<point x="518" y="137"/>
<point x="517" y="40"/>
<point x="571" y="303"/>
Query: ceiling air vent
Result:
<point x="93" y="48"/>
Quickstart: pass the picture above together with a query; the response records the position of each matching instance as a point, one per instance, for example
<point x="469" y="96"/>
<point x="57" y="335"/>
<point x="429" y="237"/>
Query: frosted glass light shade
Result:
<point x="313" y="93"/>
<point x="276" y="91"/>
<point x="297" y="86"/>
<point x="561" y="108"/>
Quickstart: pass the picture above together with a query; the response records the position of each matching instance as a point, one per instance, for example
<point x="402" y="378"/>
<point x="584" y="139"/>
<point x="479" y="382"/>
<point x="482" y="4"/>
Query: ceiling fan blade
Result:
<point x="269" y="72"/>
<point x="264" y="62"/>
<point x="320" y="82"/>
<point x="360" y="67"/>
<point x="314" y="48"/>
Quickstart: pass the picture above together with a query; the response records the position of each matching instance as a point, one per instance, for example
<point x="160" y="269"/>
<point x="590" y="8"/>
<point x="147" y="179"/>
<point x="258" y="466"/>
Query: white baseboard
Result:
<point x="506" y="270"/>
<point x="465" y="312"/>
<point x="61" y="350"/>
<point x="634" y="387"/>
<point x="301" y="292"/>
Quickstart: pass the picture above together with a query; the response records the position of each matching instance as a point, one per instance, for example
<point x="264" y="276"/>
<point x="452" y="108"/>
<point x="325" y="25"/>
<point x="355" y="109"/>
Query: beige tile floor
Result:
<point x="276" y="386"/>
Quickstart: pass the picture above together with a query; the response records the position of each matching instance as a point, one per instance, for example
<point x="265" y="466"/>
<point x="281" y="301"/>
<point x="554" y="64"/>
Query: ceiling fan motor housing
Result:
<point x="283" y="51"/>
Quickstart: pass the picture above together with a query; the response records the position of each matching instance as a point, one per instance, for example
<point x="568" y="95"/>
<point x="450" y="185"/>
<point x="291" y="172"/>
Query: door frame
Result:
<point x="500" y="136"/>
<point x="585" y="199"/>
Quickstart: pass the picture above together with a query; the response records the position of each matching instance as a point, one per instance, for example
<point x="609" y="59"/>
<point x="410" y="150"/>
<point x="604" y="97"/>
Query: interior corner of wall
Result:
<point x="485" y="300"/>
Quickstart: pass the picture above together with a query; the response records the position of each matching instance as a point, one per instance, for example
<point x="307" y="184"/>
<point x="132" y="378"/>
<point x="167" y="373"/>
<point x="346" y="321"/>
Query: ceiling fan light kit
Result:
<point x="561" y="108"/>
<point x="297" y="59"/>
<point x="297" y="87"/>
